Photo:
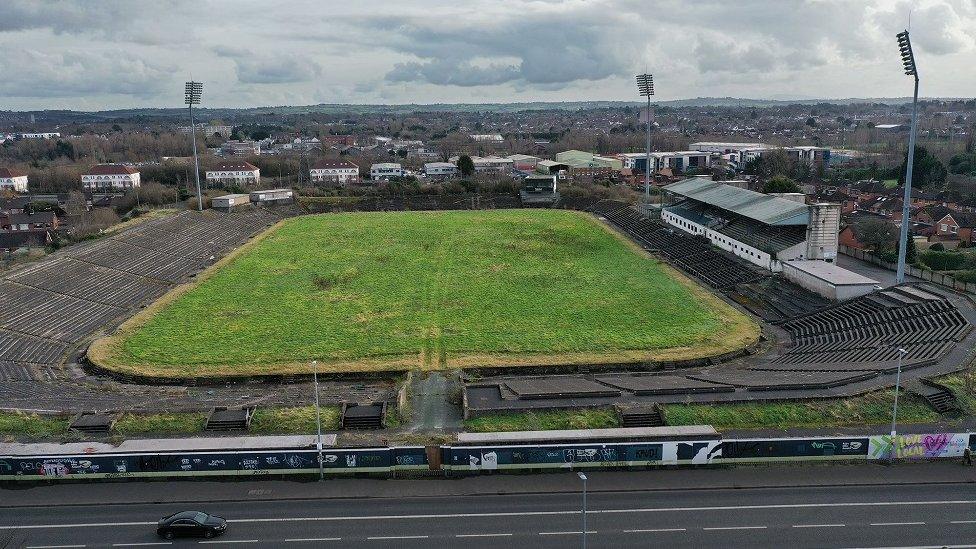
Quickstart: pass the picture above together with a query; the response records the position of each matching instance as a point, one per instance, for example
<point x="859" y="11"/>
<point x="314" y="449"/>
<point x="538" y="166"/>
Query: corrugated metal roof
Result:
<point x="761" y="207"/>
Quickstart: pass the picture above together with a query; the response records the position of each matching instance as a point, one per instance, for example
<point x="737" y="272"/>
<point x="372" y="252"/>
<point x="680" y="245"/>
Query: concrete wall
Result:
<point x="925" y="274"/>
<point x="823" y="287"/>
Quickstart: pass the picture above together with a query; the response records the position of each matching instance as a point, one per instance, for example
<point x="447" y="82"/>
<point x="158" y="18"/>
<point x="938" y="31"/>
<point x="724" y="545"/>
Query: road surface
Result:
<point x="919" y="515"/>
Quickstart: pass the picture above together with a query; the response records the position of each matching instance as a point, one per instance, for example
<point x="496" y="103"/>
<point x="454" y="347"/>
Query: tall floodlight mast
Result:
<point x="908" y="59"/>
<point x="645" y="85"/>
<point x="194" y="90"/>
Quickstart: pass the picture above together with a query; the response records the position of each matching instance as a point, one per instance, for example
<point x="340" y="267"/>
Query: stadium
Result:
<point x="589" y="305"/>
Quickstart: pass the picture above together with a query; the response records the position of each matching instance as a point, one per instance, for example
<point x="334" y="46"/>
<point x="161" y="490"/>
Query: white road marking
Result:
<point x="52" y="546"/>
<point x="962" y="522"/>
<point x="142" y="544"/>
<point x="819" y="525"/>
<point x="897" y="523"/>
<point x="656" y="530"/>
<point x="578" y="533"/>
<point x="333" y="518"/>
<point x="917" y="547"/>
<point x="231" y="541"/>
<point x="398" y="537"/>
<point x="481" y="535"/>
<point x="300" y="540"/>
<point x="735" y="528"/>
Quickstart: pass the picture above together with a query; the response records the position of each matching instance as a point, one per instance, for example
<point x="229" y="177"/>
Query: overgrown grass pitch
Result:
<point x="400" y="290"/>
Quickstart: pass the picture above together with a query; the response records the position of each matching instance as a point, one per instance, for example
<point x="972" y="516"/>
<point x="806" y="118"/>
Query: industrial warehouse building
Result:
<point x="763" y="229"/>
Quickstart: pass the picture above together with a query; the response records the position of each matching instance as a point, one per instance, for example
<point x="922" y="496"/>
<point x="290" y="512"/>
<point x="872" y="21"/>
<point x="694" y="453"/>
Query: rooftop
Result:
<point x="830" y="272"/>
<point x="235" y="167"/>
<point x="10" y="172"/>
<point x="764" y="208"/>
<point x="326" y="164"/>
<point x="112" y="169"/>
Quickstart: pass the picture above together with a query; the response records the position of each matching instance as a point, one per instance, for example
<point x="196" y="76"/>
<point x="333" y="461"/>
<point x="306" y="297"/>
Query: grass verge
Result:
<point x="861" y="410"/>
<point x="17" y="424"/>
<point x="299" y="420"/>
<point x="544" y="421"/>
<point x="160" y="424"/>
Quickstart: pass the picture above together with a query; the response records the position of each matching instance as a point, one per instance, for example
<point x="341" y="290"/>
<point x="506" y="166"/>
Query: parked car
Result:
<point x="191" y="524"/>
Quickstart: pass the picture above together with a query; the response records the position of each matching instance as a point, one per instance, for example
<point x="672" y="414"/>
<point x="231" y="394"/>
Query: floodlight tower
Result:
<point x="645" y="85"/>
<point x="193" y="92"/>
<point x="908" y="59"/>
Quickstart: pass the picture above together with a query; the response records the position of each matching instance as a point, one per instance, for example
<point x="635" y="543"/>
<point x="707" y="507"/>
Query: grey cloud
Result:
<point x="550" y="46"/>
<point x="278" y="69"/>
<point x="30" y="73"/>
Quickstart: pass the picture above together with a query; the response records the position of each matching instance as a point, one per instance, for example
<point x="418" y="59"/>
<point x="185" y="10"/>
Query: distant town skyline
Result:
<point x="111" y="54"/>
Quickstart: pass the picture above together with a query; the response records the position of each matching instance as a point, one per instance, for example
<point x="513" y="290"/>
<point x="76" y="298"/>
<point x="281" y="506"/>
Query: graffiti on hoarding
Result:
<point x="919" y="446"/>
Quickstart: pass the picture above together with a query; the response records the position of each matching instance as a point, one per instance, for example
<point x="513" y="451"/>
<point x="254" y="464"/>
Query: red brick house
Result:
<point x="954" y="226"/>
<point x="23" y="222"/>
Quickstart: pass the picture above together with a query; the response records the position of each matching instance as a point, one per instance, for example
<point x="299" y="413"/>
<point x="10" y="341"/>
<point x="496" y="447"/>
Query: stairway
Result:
<point x="642" y="416"/>
<point x="362" y="416"/>
<point x="224" y="419"/>
<point x="939" y="397"/>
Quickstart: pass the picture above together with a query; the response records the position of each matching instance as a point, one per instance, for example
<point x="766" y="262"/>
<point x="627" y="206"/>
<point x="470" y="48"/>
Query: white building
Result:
<point x="110" y="176"/>
<point x="13" y="180"/>
<point x="337" y="172"/>
<point x="208" y="130"/>
<point x="487" y="137"/>
<point x="440" y="169"/>
<point x="234" y="173"/>
<point x="488" y="164"/>
<point x="385" y="170"/>
<point x="40" y="135"/>
<point x="240" y="148"/>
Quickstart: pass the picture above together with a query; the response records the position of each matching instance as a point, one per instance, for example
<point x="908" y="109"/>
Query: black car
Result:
<point x="191" y="523"/>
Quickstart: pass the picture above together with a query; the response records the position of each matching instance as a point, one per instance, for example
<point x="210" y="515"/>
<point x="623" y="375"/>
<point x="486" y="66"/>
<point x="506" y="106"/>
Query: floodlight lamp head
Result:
<point x="645" y="84"/>
<point x="907" y="55"/>
<point x="193" y="91"/>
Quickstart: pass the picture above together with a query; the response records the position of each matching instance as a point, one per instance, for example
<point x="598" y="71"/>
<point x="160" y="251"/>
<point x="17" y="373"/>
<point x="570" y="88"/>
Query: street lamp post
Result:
<point x="645" y="85"/>
<point x="894" y="408"/>
<point x="318" y="418"/>
<point x="908" y="59"/>
<point x="583" y="478"/>
<point x="194" y="90"/>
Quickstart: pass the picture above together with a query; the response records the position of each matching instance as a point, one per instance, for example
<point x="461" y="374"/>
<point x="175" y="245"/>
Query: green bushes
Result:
<point x="943" y="261"/>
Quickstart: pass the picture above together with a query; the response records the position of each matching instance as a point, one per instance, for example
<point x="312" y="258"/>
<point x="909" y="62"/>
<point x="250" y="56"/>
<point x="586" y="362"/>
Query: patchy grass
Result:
<point x="890" y="183"/>
<point x="428" y="290"/>
<point x="544" y="421"/>
<point x="299" y="420"/>
<point x="867" y="409"/>
<point x="17" y="424"/>
<point x="159" y="424"/>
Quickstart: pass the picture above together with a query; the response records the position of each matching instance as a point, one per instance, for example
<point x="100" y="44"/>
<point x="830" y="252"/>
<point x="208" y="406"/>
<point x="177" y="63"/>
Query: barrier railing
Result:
<point x="477" y="459"/>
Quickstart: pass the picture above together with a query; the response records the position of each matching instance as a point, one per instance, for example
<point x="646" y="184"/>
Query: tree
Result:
<point x="964" y="164"/>
<point x="926" y="171"/>
<point x="911" y="252"/>
<point x="780" y="184"/>
<point x="875" y="233"/>
<point x="465" y="165"/>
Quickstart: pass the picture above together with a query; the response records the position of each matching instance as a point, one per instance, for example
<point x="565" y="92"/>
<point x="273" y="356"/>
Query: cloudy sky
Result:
<point x="103" y="54"/>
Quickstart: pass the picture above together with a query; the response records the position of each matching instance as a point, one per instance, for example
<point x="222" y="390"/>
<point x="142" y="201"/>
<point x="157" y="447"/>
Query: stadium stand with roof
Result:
<point x="763" y="229"/>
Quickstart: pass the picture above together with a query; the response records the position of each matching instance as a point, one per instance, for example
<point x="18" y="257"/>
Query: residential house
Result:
<point x="234" y="173"/>
<point x="110" y="176"/>
<point x="240" y="148"/>
<point x="954" y="226"/>
<point x="13" y="180"/>
<point x="336" y="172"/>
<point x="440" y="169"/>
<point x="24" y="222"/>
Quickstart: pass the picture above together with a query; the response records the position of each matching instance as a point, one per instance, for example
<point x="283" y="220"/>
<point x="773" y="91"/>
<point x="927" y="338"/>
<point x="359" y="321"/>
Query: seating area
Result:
<point x="872" y="328"/>
<point x="52" y="305"/>
<point x="694" y="255"/>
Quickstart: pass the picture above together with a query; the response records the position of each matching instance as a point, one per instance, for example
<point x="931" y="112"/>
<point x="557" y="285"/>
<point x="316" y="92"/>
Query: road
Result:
<point x="920" y="515"/>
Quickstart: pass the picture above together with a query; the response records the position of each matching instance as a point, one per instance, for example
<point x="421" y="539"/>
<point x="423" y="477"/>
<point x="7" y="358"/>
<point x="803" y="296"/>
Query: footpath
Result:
<point x="712" y="478"/>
